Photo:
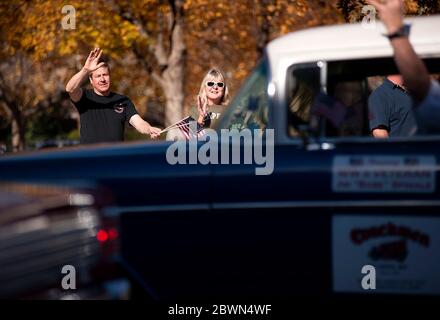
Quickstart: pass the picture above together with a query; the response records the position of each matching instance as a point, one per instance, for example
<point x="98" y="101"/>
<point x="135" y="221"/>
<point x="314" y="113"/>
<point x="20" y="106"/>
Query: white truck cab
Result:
<point x="346" y="62"/>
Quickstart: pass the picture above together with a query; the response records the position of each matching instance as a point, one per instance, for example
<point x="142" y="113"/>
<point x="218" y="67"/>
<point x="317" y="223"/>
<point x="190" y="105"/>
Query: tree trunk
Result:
<point x="172" y="77"/>
<point x="174" y="102"/>
<point x="18" y="139"/>
<point x="170" y="54"/>
<point x="263" y="25"/>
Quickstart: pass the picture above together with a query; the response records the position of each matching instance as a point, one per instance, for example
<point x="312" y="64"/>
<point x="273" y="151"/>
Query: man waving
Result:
<point x="103" y="113"/>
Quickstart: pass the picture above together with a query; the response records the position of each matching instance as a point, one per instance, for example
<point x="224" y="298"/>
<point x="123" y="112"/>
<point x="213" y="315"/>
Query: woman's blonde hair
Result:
<point x="215" y="75"/>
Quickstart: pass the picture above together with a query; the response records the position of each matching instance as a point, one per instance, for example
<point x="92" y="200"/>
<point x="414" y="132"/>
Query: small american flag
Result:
<point x="190" y="128"/>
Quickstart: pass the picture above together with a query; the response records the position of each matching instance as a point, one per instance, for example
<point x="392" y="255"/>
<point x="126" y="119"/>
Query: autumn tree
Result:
<point x="25" y="89"/>
<point x="232" y="34"/>
<point x="26" y="85"/>
<point x="158" y="48"/>
<point x="149" y="30"/>
<point x="23" y="84"/>
<point x="12" y="74"/>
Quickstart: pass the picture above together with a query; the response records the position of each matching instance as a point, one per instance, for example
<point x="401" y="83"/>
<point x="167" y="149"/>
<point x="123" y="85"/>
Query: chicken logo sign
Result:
<point x="404" y="251"/>
<point x="389" y="250"/>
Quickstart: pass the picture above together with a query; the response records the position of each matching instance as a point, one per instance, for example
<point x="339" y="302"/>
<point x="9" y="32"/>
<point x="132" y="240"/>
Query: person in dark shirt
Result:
<point x="103" y="113"/>
<point x="390" y="110"/>
<point x="424" y="91"/>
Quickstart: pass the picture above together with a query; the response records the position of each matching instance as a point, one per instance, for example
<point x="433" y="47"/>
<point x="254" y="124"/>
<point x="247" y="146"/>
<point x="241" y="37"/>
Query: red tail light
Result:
<point x="102" y="236"/>
<point x="108" y="237"/>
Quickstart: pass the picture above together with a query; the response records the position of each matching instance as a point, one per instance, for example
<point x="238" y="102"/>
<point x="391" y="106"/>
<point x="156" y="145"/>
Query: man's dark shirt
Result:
<point x="390" y="108"/>
<point x="103" y="118"/>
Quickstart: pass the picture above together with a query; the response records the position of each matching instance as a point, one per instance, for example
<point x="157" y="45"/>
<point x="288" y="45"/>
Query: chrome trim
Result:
<point x="321" y="204"/>
<point x="323" y="75"/>
<point x="115" y="211"/>
<point x="366" y="140"/>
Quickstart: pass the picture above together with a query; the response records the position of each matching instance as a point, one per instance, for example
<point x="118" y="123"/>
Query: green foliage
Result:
<point x="73" y="135"/>
<point x="50" y="123"/>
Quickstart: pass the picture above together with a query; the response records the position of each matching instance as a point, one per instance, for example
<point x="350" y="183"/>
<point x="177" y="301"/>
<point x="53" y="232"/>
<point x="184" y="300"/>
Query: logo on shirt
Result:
<point x="119" y="108"/>
<point x="214" y="115"/>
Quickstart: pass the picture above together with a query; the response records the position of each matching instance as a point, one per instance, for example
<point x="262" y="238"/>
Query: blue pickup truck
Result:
<point x="337" y="212"/>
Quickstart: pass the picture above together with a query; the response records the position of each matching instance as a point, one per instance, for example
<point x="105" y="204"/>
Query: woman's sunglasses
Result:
<point x="212" y="83"/>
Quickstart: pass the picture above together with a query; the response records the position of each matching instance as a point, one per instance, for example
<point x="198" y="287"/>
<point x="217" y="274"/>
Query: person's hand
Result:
<point x="92" y="63"/>
<point x="202" y="107"/>
<point x="154" y="132"/>
<point x="390" y="12"/>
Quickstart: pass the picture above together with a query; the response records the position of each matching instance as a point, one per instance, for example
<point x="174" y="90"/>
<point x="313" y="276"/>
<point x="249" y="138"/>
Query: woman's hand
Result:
<point x="202" y="107"/>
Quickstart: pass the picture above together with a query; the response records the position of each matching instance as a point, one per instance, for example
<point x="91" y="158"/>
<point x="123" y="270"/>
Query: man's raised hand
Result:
<point x="92" y="62"/>
<point x="390" y="12"/>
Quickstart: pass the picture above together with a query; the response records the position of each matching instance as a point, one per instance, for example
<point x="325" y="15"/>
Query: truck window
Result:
<point x="341" y="104"/>
<point x="302" y="87"/>
<point x="350" y="83"/>
<point x="249" y="109"/>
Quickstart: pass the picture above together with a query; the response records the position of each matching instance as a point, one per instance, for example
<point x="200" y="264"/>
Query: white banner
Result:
<point x="405" y="252"/>
<point x="415" y="174"/>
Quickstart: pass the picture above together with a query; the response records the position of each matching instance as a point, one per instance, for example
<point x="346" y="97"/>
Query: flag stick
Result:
<point x="172" y="126"/>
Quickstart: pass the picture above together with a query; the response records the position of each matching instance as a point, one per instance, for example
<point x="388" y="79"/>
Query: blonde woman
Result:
<point x="211" y="102"/>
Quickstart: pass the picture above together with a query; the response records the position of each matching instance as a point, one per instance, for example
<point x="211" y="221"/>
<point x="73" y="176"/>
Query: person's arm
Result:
<point x="143" y="126"/>
<point x="380" y="133"/>
<point x="73" y="87"/>
<point x="413" y="70"/>
<point x="378" y="114"/>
